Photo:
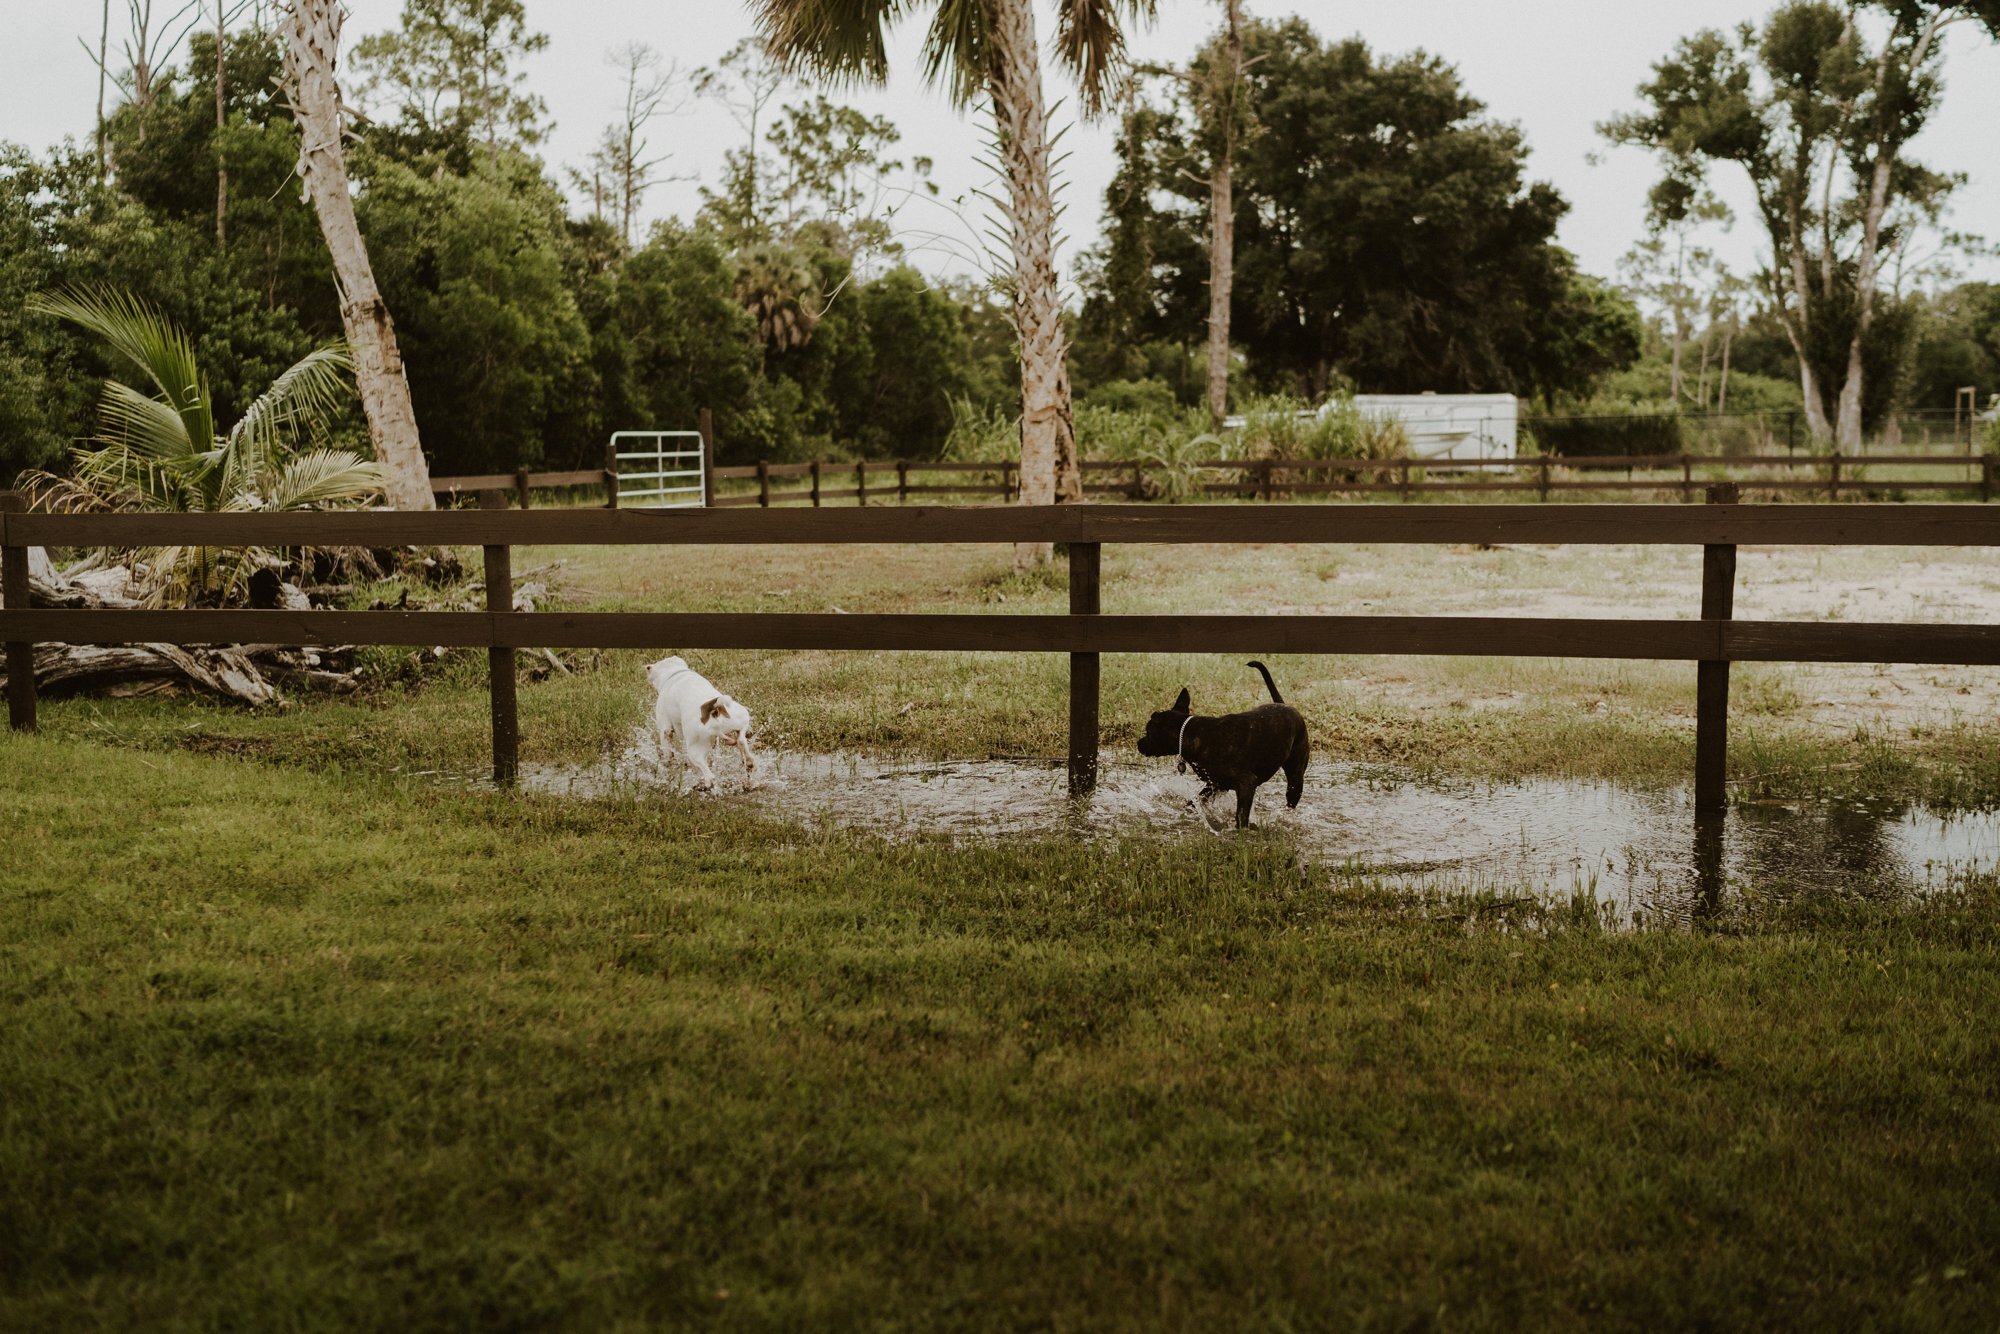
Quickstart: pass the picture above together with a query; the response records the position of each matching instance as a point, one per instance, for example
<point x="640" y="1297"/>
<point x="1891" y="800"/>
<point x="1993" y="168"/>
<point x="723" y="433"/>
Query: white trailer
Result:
<point x="1450" y="426"/>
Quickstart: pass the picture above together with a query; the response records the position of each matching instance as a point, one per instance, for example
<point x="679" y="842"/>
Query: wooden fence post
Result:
<point x="1545" y="478"/>
<point x="1687" y="478"/>
<point x="705" y="423"/>
<point x="1085" y="559"/>
<point x="1711" y="727"/>
<point x="861" y="482"/>
<point x="611" y="477"/>
<point x="763" y="483"/>
<point x="1265" y="491"/>
<point x="1986" y="468"/>
<point x="1833" y="477"/>
<point x="1406" y="479"/>
<point x="815" y="483"/>
<point x="1138" y="480"/>
<point x="1007" y="479"/>
<point x="500" y="661"/>
<point x="902" y="482"/>
<point x="14" y="591"/>
<point x="521" y="486"/>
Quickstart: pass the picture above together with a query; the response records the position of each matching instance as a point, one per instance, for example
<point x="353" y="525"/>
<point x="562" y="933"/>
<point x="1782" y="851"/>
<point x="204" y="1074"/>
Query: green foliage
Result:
<point x="1384" y="231"/>
<point x="982" y="433"/>
<point x="1620" y="436"/>
<point x="1282" y="427"/>
<point x="44" y="379"/>
<point x="158" y="448"/>
<point x="1149" y="397"/>
<point x="472" y="267"/>
<point x="669" y="338"/>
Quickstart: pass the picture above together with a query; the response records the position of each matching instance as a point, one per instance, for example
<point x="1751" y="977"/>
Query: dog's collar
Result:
<point x="1180" y="746"/>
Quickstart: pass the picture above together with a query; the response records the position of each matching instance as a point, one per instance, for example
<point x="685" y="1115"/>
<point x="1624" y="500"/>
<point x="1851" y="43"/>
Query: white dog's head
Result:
<point x="661" y="672"/>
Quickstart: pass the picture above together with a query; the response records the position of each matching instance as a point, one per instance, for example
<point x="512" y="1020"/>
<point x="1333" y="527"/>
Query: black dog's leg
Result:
<point x="1295" y="769"/>
<point x="1246" y="797"/>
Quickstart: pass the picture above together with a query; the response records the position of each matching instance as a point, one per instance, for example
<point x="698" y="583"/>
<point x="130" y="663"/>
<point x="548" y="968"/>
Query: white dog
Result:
<point x="691" y="710"/>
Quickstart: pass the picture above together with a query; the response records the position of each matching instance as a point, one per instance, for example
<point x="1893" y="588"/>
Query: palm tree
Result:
<point x="987" y="48"/>
<point x="160" y="451"/>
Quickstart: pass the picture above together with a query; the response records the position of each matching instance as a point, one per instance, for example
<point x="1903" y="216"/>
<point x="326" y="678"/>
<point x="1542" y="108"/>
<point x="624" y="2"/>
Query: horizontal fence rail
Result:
<point x="1443" y="636"/>
<point x="1712" y="640"/>
<point x="1665" y="525"/>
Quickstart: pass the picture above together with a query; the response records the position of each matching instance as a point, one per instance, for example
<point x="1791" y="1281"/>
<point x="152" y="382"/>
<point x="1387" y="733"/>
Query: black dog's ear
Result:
<point x="1182" y="705"/>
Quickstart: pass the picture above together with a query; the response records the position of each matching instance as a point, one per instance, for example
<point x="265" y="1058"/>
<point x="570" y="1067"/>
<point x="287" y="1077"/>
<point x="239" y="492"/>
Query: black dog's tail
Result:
<point x="1276" y="698"/>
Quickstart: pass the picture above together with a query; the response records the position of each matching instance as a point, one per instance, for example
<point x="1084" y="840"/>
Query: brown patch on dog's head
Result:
<point x="714" y="708"/>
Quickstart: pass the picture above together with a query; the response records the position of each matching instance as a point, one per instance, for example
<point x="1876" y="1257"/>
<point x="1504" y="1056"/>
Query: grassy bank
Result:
<point x="285" y="1048"/>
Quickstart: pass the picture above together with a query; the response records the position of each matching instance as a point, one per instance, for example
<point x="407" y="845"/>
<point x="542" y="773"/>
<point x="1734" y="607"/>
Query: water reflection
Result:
<point x="1628" y="848"/>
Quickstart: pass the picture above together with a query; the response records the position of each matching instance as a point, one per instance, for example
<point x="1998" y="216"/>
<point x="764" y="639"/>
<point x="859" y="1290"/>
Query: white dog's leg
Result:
<point x="751" y="764"/>
<point x="693" y="743"/>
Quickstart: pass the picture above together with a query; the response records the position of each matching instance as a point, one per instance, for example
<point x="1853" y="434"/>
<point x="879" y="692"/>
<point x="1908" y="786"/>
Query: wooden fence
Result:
<point x="1713" y="641"/>
<point x="1543" y="477"/>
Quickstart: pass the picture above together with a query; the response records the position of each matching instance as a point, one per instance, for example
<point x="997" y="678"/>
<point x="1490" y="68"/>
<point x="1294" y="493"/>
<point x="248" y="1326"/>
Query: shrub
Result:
<point x="1621" y="437"/>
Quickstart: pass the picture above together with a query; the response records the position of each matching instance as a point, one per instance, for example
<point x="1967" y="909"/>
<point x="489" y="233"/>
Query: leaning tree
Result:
<point x="312" y="46"/>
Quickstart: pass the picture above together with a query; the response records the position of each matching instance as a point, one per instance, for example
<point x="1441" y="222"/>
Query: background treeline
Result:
<point x="1388" y="238"/>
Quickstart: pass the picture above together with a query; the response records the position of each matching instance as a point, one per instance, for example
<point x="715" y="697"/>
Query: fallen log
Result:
<point x="147" y="669"/>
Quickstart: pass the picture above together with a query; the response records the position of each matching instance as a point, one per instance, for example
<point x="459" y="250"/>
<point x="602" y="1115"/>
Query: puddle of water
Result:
<point x="1634" y="851"/>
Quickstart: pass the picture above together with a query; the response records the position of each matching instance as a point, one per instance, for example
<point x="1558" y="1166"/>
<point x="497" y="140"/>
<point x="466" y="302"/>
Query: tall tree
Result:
<point x="1213" y="85"/>
<point x="744" y="81"/>
<point x="1384" y="230"/>
<point x="987" y="48"/>
<point x="1820" y="124"/>
<point x="449" y="71"/>
<point x="312" y="48"/>
<point x="653" y="88"/>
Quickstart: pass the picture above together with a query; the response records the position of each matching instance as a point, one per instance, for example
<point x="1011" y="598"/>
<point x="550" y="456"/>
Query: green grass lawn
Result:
<point x="331" y="1049"/>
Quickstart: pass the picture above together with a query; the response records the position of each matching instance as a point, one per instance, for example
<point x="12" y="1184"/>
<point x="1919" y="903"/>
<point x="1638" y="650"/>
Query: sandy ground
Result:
<point x="1875" y="584"/>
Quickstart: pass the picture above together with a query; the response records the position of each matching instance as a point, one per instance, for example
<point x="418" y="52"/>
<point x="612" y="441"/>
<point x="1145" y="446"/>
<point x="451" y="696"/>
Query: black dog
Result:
<point x="1237" y="752"/>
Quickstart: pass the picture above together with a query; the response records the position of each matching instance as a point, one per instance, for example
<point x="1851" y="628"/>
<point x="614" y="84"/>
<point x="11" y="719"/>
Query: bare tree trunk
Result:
<point x="1222" y="219"/>
<point x="1868" y="260"/>
<point x="1790" y="242"/>
<point x="221" y="123"/>
<point x="1722" y="391"/>
<point x="1049" y="471"/>
<point x="103" y="54"/>
<point x="312" y="43"/>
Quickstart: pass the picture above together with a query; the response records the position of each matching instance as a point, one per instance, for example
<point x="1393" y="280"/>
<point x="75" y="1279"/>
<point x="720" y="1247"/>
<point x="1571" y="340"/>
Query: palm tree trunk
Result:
<point x="1049" y="471"/>
<point x="1222" y="219"/>
<point x="312" y="44"/>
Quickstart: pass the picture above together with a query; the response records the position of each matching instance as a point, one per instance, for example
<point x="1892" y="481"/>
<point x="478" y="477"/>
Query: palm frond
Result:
<point x="321" y="477"/>
<point x="958" y="48"/>
<point x="841" y="41"/>
<point x="300" y="401"/>
<point x="1090" y="41"/>
<point x="146" y="338"/>
<point x="306" y="395"/>
<point x="131" y="421"/>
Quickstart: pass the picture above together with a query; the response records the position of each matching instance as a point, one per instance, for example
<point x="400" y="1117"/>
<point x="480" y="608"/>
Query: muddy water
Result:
<point x="1635" y="851"/>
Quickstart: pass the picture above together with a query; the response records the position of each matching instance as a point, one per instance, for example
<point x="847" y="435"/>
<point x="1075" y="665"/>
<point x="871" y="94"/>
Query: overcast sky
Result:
<point x="1554" y="67"/>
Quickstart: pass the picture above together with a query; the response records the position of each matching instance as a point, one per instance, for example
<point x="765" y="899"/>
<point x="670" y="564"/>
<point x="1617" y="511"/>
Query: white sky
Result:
<point x="1554" y="67"/>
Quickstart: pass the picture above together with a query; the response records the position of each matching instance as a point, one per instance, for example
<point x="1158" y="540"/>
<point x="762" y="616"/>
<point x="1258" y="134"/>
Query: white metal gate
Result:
<point x="659" y="469"/>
